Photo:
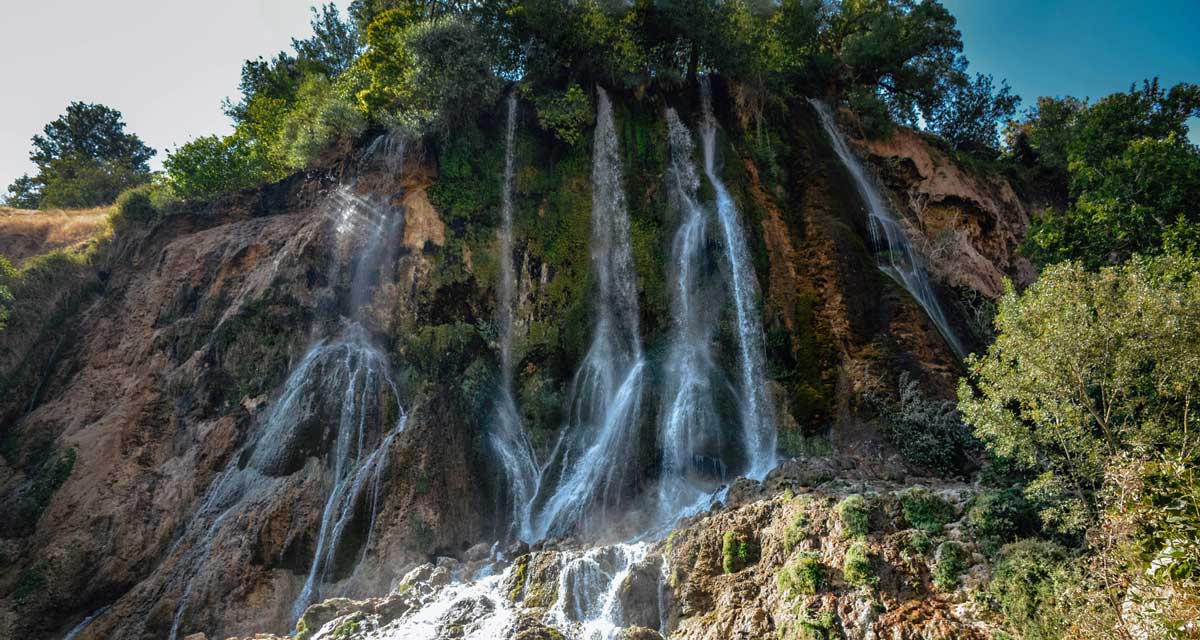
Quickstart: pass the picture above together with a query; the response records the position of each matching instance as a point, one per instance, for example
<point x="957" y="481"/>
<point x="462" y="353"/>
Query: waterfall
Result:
<point x="757" y="412"/>
<point x="589" y="589"/>
<point x="896" y="255"/>
<point x="689" y="426"/>
<point x="362" y="372"/>
<point x="341" y="392"/>
<point x="589" y="462"/>
<point x="507" y="437"/>
<point x="587" y="601"/>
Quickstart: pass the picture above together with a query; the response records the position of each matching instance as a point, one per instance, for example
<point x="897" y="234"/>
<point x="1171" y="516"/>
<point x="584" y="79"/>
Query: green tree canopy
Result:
<point x="84" y="158"/>
<point x="1088" y="367"/>
<point x="1132" y="176"/>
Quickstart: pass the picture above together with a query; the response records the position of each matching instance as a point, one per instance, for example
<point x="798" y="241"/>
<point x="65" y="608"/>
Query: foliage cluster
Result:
<point x="927" y="432"/>
<point x="84" y="158"/>
<point x="1131" y="175"/>
<point x="856" y="566"/>
<point x="425" y="66"/>
<point x="925" y="510"/>
<point x="855" y="513"/>
<point x="952" y="560"/>
<point x="1088" y="389"/>
<point x="804" y="575"/>
<point x="738" y="550"/>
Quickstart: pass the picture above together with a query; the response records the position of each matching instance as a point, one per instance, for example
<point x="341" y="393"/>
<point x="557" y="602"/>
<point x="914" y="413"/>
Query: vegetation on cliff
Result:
<point x="1076" y="420"/>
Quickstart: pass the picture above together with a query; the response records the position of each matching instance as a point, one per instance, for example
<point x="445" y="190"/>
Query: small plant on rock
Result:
<point x="925" y="510"/>
<point x="855" y="514"/>
<point x="856" y="567"/>
<point x="795" y="532"/>
<point x="952" y="559"/>
<point x="803" y="576"/>
<point x="737" y="551"/>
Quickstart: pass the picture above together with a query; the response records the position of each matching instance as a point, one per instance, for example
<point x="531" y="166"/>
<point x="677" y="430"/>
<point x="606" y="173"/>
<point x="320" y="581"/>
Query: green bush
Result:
<point x="1000" y="516"/>
<point x="855" y="514"/>
<point x="856" y="566"/>
<point x="952" y="561"/>
<point x="803" y="576"/>
<point x="919" y="541"/>
<point x="1026" y="588"/>
<point x="795" y="532"/>
<point x="927" y="432"/>
<point x="211" y="165"/>
<point x="7" y="274"/>
<point x="925" y="510"/>
<point x="822" y="626"/>
<point x="737" y="551"/>
<point x="567" y="114"/>
<point x="141" y="206"/>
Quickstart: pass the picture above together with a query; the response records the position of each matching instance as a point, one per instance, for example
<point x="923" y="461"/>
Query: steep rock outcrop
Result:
<point x="166" y="373"/>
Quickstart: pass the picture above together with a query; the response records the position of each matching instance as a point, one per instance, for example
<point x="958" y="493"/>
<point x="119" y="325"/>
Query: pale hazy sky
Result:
<point x="164" y="64"/>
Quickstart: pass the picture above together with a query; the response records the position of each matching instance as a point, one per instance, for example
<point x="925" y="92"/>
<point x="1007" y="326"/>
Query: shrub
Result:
<point x="927" y="432"/>
<point x="211" y="165"/>
<point x="952" y="558"/>
<point x="999" y="516"/>
<point x="855" y="514"/>
<point x="1026" y="587"/>
<point x="795" y="532"/>
<point x="567" y="114"/>
<point x="925" y="510"/>
<point x="141" y="206"/>
<point x="803" y="576"/>
<point x="822" y="626"/>
<point x="856" y="567"/>
<point x="919" y="542"/>
<point x="737" y="551"/>
<point x="7" y="274"/>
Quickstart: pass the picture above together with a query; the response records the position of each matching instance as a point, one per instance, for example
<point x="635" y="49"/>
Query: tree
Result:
<point x="1087" y="368"/>
<point x="84" y="158"/>
<point x="334" y="44"/>
<point x="970" y="117"/>
<point x="452" y="77"/>
<point x="210" y="165"/>
<point x="904" y="51"/>
<point x="91" y="131"/>
<point x="1134" y="179"/>
<point x="24" y="193"/>
<point x="1047" y="129"/>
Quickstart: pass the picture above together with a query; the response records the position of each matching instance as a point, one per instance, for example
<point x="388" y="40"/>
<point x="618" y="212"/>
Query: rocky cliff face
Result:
<point x="122" y="421"/>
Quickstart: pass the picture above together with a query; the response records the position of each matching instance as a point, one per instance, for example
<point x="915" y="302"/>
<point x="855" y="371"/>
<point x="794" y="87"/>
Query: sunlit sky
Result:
<point x="166" y="64"/>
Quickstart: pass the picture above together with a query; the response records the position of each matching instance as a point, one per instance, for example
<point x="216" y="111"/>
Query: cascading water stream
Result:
<point x="757" y="412"/>
<point x="362" y="424"/>
<point x="508" y="438"/>
<point x="689" y="429"/>
<point x="897" y="257"/>
<point x="589" y="464"/>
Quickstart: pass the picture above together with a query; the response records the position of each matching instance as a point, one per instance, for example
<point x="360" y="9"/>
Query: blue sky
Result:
<point x="167" y="64"/>
<point x="1083" y="48"/>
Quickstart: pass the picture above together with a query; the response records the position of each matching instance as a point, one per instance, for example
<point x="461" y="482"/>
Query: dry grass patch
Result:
<point x="25" y="233"/>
